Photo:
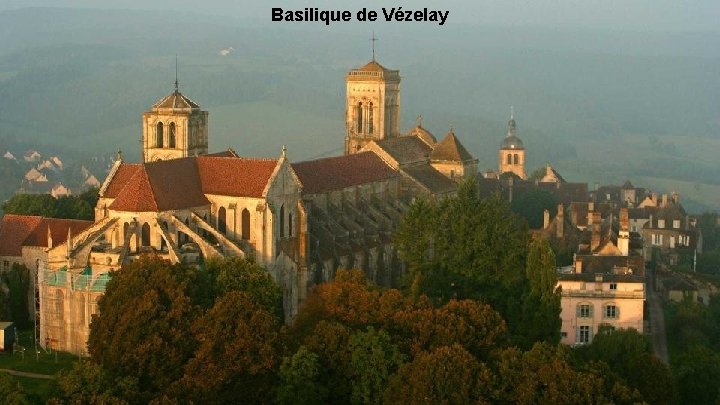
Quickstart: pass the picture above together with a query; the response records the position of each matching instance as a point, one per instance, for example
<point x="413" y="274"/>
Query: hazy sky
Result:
<point x="635" y="15"/>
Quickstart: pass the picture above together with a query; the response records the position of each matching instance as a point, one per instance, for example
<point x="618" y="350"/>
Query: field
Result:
<point x="46" y="363"/>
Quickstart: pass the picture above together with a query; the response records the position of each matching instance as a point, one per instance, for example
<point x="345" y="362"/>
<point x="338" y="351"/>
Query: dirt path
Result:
<point x="28" y="375"/>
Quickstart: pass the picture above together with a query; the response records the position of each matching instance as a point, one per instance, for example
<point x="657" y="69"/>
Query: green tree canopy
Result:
<point x="465" y="247"/>
<point x="541" y="306"/>
<point x="81" y="206"/>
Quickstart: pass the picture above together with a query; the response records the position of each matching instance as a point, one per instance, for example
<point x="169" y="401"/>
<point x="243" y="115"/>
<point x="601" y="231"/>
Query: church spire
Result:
<point x="177" y="87"/>
<point x="373" y="39"/>
<point x="512" y="127"/>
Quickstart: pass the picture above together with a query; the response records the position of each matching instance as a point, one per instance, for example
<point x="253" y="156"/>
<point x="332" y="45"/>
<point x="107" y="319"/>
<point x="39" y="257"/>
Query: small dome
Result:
<point x="512" y="142"/>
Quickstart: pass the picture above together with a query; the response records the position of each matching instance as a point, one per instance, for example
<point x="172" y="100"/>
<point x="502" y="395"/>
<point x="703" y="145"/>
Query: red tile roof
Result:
<point x="124" y="173"/>
<point x="340" y="172"/>
<point x="161" y="186"/>
<point x="14" y="229"/>
<point x="176" y="184"/>
<point x="237" y="177"/>
<point x="58" y="230"/>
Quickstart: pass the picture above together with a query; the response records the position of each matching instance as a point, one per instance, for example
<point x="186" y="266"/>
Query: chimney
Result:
<point x="595" y="236"/>
<point x="664" y="201"/>
<point x="578" y="266"/>
<point x="675" y="198"/>
<point x="624" y="234"/>
<point x="591" y="206"/>
<point x="655" y="198"/>
<point x="49" y="238"/>
<point x="546" y="219"/>
<point x="560" y="224"/>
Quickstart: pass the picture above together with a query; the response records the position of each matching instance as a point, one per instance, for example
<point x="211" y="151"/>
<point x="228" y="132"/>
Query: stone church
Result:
<point x="300" y="220"/>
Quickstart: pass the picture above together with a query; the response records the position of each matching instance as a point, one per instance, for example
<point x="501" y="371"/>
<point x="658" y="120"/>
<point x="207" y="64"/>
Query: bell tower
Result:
<point x="372" y="105"/>
<point x="512" y="151"/>
<point x="174" y="127"/>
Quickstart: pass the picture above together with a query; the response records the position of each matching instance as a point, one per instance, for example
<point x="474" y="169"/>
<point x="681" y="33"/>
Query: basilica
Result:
<point x="300" y="220"/>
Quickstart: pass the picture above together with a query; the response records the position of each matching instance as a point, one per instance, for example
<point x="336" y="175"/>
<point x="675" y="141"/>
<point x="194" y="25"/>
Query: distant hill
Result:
<point x="601" y="106"/>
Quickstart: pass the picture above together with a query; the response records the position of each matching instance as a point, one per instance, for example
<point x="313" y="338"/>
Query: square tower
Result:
<point x="175" y="127"/>
<point x="372" y="109"/>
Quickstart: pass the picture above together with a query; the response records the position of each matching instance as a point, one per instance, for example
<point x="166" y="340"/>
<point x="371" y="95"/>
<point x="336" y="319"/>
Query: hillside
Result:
<point x="600" y="106"/>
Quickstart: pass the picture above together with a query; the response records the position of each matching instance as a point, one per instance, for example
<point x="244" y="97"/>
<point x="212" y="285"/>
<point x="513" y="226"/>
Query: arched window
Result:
<point x="145" y="235"/>
<point x="359" y="115"/>
<point x="222" y="225"/>
<point x="282" y="221"/>
<point x="516" y="159"/>
<point x="290" y="224"/>
<point x="171" y="137"/>
<point x="245" y="221"/>
<point x="370" y="119"/>
<point x="159" y="135"/>
<point x="509" y="159"/>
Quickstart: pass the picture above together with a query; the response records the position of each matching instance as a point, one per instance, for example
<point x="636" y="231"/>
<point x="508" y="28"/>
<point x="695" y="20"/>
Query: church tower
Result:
<point x="174" y="127"/>
<point x="512" y="151"/>
<point x="372" y="105"/>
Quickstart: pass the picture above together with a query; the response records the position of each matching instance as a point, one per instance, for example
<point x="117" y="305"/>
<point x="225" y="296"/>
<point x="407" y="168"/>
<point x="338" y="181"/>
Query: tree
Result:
<point x="629" y="356"/>
<point x="237" y="352"/>
<point x="465" y="247"/>
<point x="238" y="274"/>
<point x="89" y="383"/>
<point x="446" y="375"/>
<point x="17" y="281"/>
<point x="11" y="392"/>
<point x="473" y="325"/>
<point x="532" y="204"/>
<point x="144" y="323"/>
<point x="544" y="375"/>
<point x="300" y="379"/>
<point x="373" y="359"/>
<point x="542" y="304"/>
<point x="71" y="207"/>
<point x="698" y="373"/>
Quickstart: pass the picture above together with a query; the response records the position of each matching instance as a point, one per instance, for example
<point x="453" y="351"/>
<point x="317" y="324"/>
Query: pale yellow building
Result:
<point x="592" y="300"/>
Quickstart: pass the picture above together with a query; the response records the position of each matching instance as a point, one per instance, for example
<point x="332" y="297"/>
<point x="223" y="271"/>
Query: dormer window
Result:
<point x="661" y="223"/>
<point x="676" y="223"/>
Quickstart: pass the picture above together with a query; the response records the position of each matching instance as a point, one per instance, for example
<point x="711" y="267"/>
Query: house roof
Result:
<point x="237" y="177"/>
<point x="592" y="264"/>
<point x="431" y="179"/>
<point x="425" y="135"/>
<point x="373" y="71"/>
<point x="58" y="231"/>
<point x="161" y="186"/>
<point x="405" y="149"/>
<point x="14" y="229"/>
<point x="450" y="149"/>
<point x="183" y="183"/>
<point x="175" y="100"/>
<point x="124" y="173"/>
<point x="336" y="173"/>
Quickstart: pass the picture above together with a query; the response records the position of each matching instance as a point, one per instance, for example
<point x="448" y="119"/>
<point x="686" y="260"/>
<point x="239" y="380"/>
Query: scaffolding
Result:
<point x="66" y="301"/>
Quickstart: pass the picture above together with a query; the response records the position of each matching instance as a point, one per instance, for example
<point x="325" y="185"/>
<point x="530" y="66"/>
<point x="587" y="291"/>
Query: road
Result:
<point x="28" y="375"/>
